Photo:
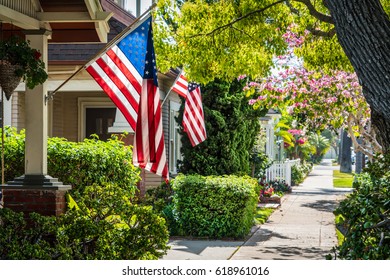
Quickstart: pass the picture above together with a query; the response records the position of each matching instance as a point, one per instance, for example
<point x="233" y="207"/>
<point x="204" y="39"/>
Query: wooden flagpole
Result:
<point x="117" y="38"/>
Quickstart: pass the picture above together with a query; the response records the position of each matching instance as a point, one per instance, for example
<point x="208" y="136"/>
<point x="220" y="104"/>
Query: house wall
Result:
<point x="17" y="111"/>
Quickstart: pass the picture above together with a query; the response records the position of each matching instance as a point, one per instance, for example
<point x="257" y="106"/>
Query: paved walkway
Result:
<point x="302" y="228"/>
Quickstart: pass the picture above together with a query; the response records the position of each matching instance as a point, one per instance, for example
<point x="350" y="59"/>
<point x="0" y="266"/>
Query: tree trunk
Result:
<point x="345" y="153"/>
<point x="363" y="30"/>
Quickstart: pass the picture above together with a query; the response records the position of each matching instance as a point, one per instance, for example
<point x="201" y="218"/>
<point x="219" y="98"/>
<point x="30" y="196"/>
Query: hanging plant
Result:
<point x="18" y="61"/>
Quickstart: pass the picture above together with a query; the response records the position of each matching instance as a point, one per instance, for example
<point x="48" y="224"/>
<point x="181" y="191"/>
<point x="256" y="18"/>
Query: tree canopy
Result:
<point x="227" y="38"/>
<point x="224" y="39"/>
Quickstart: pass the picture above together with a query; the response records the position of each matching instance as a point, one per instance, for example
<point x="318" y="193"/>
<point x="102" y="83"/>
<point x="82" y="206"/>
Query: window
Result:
<point x="175" y="138"/>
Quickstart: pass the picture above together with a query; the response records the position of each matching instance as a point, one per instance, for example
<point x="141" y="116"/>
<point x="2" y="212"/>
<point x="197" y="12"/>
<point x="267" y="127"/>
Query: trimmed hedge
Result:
<point x="215" y="207"/>
<point x="78" y="164"/>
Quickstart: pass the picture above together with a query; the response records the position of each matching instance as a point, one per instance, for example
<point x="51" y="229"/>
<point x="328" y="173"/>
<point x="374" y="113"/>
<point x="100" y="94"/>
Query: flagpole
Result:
<point x="170" y="90"/>
<point x="50" y="95"/>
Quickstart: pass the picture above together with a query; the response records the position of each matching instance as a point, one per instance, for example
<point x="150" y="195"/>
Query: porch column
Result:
<point x="36" y="118"/>
<point x="35" y="191"/>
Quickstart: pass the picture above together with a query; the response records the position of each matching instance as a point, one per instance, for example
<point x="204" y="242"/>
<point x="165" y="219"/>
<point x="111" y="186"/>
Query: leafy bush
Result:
<point x="78" y="164"/>
<point x="103" y="224"/>
<point x="300" y="172"/>
<point x="365" y="214"/>
<point x="161" y="199"/>
<point x="13" y="153"/>
<point x="215" y="207"/>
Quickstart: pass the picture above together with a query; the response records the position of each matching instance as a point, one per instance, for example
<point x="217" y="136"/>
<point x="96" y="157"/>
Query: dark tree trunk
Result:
<point x="363" y="30"/>
<point x="345" y="153"/>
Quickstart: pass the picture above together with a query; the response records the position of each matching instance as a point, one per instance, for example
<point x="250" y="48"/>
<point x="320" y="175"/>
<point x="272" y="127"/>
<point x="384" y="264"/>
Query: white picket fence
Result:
<point x="281" y="171"/>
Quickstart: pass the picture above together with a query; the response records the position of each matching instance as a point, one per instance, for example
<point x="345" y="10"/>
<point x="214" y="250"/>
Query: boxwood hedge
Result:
<point x="215" y="207"/>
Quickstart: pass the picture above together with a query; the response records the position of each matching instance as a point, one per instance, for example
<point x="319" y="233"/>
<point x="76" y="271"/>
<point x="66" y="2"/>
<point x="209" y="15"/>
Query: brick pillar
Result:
<point x="35" y="193"/>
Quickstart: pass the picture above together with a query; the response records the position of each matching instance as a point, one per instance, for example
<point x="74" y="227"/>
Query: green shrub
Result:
<point x="365" y="214"/>
<point x="104" y="224"/>
<point x="79" y="164"/>
<point x="300" y="172"/>
<point x="215" y="207"/>
<point x="13" y="153"/>
<point x="161" y="199"/>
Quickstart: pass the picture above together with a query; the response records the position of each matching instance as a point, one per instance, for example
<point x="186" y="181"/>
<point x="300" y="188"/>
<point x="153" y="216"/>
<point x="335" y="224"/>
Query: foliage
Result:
<point x="161" y="199"/>
<point x="321" y="144"/>
<point x="228" y="38"/>
<point x="17" y="51"/>
<point x="270" y="188"/>
<point x="259" y="160"/>
<point x="231" y="126"/>
<point x="262" y="215"/>
<point x="78" y="164"/>
<point x="104" y="224"/>
<point x="365" y="214"/>
<point x="13" y="153"/>
<point x="215" y="207"/>
<point x="299" y="172"/>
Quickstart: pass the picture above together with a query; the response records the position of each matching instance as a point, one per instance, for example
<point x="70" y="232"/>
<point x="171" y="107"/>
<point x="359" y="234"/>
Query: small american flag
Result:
<point x="181" y="85"/>
<point x="127" y="73"/>
<point x="193" y="117"/>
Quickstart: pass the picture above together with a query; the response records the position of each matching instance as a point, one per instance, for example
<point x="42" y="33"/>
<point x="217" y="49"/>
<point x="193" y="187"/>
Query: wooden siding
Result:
<point x="65" y="113"/>
<point x="18" y="111"/>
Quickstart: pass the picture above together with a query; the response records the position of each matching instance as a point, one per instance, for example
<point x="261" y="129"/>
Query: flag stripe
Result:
<point x="181" y="86"/>
<point x="114" y="93"/>
<point x="193" y="117"/>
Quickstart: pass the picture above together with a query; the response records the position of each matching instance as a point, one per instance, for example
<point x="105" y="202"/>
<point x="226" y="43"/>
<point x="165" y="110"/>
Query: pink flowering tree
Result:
<point x="316" y="100"/>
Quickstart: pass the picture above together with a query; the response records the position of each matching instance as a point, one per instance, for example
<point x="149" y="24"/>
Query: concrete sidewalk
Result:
<point x="302" y="228"/>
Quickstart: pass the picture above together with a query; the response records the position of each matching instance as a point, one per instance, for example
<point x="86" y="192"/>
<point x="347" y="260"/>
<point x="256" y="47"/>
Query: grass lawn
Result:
<point x="262" y="215"/>
<point x="342" y="180"/>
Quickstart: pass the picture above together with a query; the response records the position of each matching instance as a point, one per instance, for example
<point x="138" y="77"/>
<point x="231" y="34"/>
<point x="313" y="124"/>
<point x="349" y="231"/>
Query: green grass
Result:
<point x="262" y="215"/>
<point x="342" y="180"/>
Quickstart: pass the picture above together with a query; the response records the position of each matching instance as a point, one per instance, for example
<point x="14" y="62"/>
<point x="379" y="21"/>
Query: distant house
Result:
<point x="80" y="108"/>
<point x="280" y="168"/>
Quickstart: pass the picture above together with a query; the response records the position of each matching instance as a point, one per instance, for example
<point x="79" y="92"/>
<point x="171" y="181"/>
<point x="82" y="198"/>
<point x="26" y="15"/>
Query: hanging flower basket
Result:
<point x="8" y="79"/>
<point x="18" y="61"/>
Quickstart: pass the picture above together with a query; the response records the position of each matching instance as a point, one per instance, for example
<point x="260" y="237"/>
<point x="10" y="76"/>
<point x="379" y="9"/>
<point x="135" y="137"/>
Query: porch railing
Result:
<point x="281" y="171"/>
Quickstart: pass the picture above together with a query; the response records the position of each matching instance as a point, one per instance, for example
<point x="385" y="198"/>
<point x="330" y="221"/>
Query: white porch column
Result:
<point x="120" y="124"/>
<point x="36" y="117"/>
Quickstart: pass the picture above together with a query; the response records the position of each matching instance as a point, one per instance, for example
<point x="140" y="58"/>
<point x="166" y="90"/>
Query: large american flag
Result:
<point x="193" y="117"/>
<point x="127" y="73"/>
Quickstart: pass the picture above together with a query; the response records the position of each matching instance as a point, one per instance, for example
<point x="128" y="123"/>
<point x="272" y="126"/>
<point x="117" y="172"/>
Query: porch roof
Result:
<point x="68" y="20"/>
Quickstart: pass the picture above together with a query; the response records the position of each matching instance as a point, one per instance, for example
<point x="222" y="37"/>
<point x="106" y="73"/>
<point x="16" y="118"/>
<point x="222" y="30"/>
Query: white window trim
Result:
<point x="89" y="102"/>
<point x="173" y="106"/>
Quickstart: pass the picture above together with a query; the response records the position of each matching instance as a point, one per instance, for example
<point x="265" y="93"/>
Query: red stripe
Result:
<point x="114" y="77"/>
<point x="125" y="70"/>
<point x="151" y="90"/>
<point x="107" y="89"/>
<point x="191" y="107"/>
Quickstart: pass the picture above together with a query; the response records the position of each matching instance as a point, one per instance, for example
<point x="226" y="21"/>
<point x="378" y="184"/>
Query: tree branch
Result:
<point x="315" y="13"/>
<point x="239" y="19"/>
<point x="321" y="33"/>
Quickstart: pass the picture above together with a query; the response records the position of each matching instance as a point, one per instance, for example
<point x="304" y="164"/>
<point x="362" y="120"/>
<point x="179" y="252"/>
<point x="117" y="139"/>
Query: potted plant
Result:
<point x="18" y="61"/>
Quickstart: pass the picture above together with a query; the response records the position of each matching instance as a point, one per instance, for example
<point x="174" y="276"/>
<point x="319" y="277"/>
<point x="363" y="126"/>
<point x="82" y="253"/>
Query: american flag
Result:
<point x="181" y="85"/>
<point x="127" y="73"/>
<point x="193" y="117"/>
